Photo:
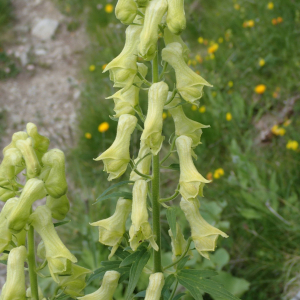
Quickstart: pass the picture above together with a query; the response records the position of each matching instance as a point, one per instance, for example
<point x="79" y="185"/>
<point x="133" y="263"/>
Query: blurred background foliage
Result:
<point x="250" y="52"/>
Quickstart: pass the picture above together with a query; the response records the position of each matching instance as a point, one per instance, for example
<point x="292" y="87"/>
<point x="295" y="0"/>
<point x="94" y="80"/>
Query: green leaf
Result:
<point x="125" y="195"/>
<point x="220" y="258"/>
<point x="197" y="283"/>
<point x="249" y="213"/>
<point x="182" y="263"/>
<point x="61" y="223"/>
<point x="115" y="186"/>
<point x="179" y="296"/>
<point x="122" y="254"/>
<point x="175" y="167"/>
<point x="171" y="217"/>
<point x="166" y="289"/>
<point x="141" y="294"/>
<point x="136" y="270"/>
<point x="130" y="259"/>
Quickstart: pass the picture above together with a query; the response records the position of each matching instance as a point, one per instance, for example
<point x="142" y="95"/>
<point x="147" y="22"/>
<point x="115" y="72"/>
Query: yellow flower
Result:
<point x="292" y="145"/>
<point x="260" y="89"/>
<point x="287" y="122"/>
<point x="200" y="40"/>
<point x="92" y="68"/>
<point x="202" y="109"/>
<point x="194" y="107"/>
<point x="230" y="84"/>
<point x="109" y="8"/>
<point x="88" y="135"/>
<point x="278" y="130"/>
<point x="164" y="115"/>
<point x="104" y="66"/>
<point x="274" y="21"/>
<point x="220" y="40"/>
<point x="279" y="20"/>
<point x="261" y="62"/>
<point x="251" y="23"/>
<point x="228" y="116"/>
<point x="270" y="5"/>
<point x="219" y="173"/>
<point x="103" y="127"/>
<point x="213" y="48"/>
<point x="199" y="58"/>
<point x="237" y="6"/>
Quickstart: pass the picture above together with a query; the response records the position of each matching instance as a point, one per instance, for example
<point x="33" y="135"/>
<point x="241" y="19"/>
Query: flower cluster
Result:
<point x="43" y="172"/>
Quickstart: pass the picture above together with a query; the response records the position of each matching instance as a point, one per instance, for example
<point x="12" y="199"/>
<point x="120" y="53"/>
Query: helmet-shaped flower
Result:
<point x="176" y="16"/>
<point x="140" y="229"/>
<point x="203" y="234"/>
<point x="189" y="84"/>
<point x="33" y="190"/>
<point x="117" y="156"/>
<point x="111" y="230"/>
<point x="59" y="258"/>
<point x="156" y="283"/>
<point x="107" y="289"/>
<point x="191" y="181"/>
<point x="59" y="206"/>
<point x="11" y="163"/>
<point x="20" y="135"/>
<point x="152" y="134"/>
<point x="155" y="11"/>
<point x="126" y="11"/>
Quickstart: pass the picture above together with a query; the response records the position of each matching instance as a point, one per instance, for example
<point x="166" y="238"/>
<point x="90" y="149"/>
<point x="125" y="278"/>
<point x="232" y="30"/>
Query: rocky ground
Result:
<point x="46" y="91"/>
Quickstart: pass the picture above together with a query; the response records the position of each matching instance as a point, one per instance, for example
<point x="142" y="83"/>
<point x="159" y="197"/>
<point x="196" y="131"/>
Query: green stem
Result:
<point x="182" y="255"/>
<point x="170" y="151"/>
<point x="155" y="76"/>
<point x="170" y="198"/>
<point x="31" y="265"/>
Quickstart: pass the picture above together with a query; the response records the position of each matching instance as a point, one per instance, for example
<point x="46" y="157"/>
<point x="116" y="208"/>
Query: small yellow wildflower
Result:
<point x="249" y="23"/>
<point x="230" y="83"/>
<point x="104" y="66"/>
<point x="218" y="173"/>
<point x="200" y="40"/>
<point x="164" y="115"/>
<point x="199" y="58"/>
<point x="261" y="62"/>
<point x="92" y="68"/>
<point x="103" y="127"/>
<point x="292" y="145"/>
<point x="214" y="94"/>
<point x="202" y="109"/>
<point x="237" y="6"/>
<point x="213" y="48"/>
<point x="287" y="122"/>
<point x="194" y="107"/>
<point x="88" y="135"/>
<point x="274" y="21"/>
<point x="278" y="130"/>
<point x="228" y="116"/>
<point x="209" y="176"/>
<point x="220" y="40"/>
<point x="270" y="5"/>
<point x="279" y="20"/>
<point x="109" y="8"/>
<point x="260" y="89"/>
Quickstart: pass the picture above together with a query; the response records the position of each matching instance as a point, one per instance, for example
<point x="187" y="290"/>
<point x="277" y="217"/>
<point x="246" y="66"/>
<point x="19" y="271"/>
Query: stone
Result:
<point x="45" y="29"/>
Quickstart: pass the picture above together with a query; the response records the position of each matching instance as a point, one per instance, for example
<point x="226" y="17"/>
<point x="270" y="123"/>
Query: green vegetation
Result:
<point x="250" y="45"/>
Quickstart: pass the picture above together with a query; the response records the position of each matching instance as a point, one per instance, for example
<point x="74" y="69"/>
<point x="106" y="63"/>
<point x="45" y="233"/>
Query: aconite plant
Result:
<point x="151" y="23"/>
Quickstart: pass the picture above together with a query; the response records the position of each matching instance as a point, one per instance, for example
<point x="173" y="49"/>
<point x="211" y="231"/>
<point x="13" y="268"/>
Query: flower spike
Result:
<point x="189" y="84"/>
<point x="117" y="157"/>
<point x="203" y="234"/>
<point x="111" y="230"/>
<point x="191" y="181"/>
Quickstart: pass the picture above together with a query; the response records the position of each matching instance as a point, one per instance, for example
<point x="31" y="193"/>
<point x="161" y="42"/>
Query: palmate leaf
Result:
<point x="198" y="282"/>
<point x="166" y="289"/>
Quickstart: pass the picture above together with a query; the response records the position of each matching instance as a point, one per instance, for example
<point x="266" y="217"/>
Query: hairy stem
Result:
<point x="31" y="265"/>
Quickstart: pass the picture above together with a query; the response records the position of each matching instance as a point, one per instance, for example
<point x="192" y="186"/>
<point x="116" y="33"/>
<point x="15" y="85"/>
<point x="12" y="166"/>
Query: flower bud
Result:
<point x="191" y="181"/>
<point x="14" y="288"/>
<point x="126" y="11"/>
<point x="107" y="289"/>
<point x="126" y="101"/>
<point x="59" y="258"/>
<point x="74" y="284"/>
<point x="59" y="206"/>
<point x="117" y="156"/>
<point x="7" y="192"/>
<point x="5" y="233"/>
<point x="189" y="84"/>
<point x="203" y="234"/>
<point x="33" y="190"/>
<point x="178" y="244"/>
<point x="12" y="160"/>
<point x="141" y="3"/>
<point x="176" y="16"/>
<point x="55" y="182"/>
<point x="145" y="164"/>
<point x="140" y="229"/>
<point x="33" y="167"/>
<point x="29" y="295"/>
<point x="111" y="230"/>
<point x="184" y="125"/>
<point x="156" y="283"/>
<point x="157" y="97"/>
<point x="123" y="68"/>
<point x="169" y="38"/>
<point x="149" y="35"/>
<point x="20" y="135"/>
<point x="40" y="143"/>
